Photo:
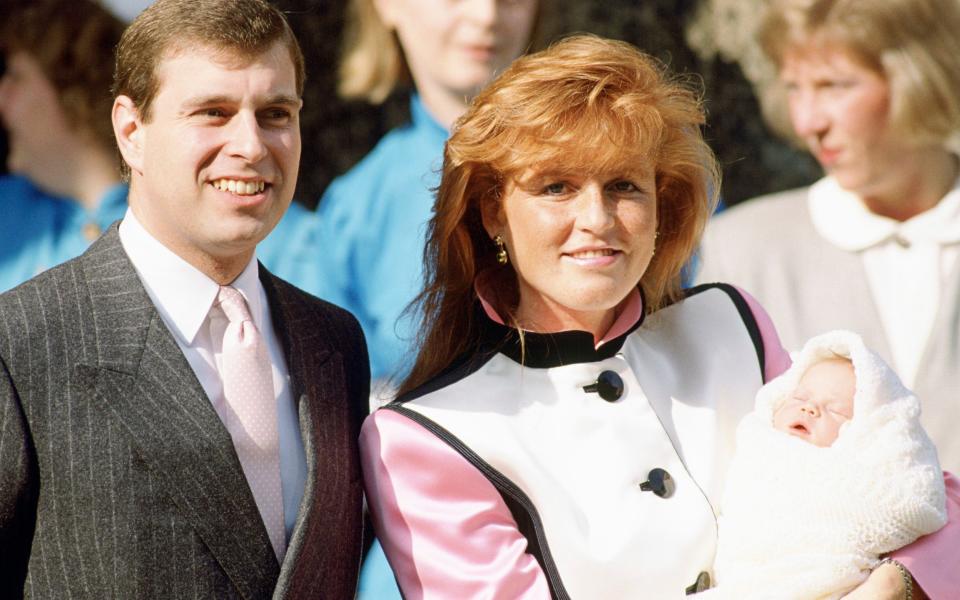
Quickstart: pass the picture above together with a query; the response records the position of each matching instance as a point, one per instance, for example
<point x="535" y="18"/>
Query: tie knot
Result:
<point x="233" y="305"/>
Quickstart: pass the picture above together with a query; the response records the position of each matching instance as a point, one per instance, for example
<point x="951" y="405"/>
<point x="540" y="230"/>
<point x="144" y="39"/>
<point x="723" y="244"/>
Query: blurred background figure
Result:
<point x="64" y="188"/>
<point x="372" y="220"/>
<point x="870" y="89"/>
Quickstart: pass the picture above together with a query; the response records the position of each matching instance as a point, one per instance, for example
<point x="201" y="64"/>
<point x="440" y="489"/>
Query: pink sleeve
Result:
<point x="777" y="359"/>
<point x="934" y="560"/>
<point x="445" y="529"/>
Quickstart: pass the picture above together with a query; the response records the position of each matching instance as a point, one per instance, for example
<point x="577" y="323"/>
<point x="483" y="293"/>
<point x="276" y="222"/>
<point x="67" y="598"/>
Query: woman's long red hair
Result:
<point x="585" y="104"/>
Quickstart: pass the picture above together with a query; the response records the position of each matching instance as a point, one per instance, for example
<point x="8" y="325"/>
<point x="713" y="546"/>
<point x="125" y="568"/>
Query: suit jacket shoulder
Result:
<point x="117" y="478"/>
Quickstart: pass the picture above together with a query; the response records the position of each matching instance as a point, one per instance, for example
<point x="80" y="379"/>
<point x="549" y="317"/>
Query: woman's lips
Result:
<point x="828" y="156"/>
<point x="600" y="257"/>
<point x="480" y="52"/>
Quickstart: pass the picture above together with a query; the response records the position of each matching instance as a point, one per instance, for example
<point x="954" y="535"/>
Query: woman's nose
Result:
<point x="482" y="12"/>
<point x="594" y="210"/>
<point x="808" y="115"/>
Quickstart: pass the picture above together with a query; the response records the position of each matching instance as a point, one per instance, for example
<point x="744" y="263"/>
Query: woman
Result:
<point x="372" y="219"/>
<point x="566" y="427"/>
<point x="871" y="91"/>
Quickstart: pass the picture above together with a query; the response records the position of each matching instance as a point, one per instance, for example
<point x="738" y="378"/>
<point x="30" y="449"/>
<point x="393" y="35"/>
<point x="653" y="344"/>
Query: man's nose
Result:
<point x="246" y="138"/>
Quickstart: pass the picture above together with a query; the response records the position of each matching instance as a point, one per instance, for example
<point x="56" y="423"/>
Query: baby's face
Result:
<point x="821" y="403"/>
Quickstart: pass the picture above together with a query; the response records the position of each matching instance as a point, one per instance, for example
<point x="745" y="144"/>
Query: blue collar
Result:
<point x="114" y="197"/>
<point x="423" y="121"/>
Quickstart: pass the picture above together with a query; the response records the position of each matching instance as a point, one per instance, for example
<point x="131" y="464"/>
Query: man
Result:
<point x="176" y="422"/>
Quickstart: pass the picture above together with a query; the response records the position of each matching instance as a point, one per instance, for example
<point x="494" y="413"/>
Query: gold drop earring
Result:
<point x="502" y="257"/>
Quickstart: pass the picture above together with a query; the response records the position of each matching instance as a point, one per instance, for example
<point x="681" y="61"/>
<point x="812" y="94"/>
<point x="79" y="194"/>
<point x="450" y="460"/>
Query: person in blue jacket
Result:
<point x="65" y="188"/>
<point x="55" y="105"/>
<point x="371" y="221"/>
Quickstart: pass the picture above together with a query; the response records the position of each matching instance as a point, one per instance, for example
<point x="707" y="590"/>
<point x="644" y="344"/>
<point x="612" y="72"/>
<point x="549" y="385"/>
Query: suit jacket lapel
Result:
<point x="141" y="377"/>
<point x="317" y="381"/>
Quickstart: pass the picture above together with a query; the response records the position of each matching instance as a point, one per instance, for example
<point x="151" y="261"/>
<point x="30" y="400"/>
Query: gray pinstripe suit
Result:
<point x="117" y="478"/>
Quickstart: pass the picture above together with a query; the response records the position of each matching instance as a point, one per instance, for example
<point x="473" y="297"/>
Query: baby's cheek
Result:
<point x="781" y="418"/>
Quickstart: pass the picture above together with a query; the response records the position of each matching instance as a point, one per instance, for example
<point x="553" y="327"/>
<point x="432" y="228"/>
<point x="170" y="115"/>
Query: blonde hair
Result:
<point x="373" y="63"/>
<point x="585" y="104"/>
<point x="914" y="44"/>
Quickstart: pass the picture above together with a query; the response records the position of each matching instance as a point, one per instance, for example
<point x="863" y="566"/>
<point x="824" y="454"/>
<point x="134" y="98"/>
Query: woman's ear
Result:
<point x="128" y="129"/>
<point x="491" y="212"/>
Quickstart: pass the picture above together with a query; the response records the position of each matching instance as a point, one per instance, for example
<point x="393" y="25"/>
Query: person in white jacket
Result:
<point x="832" y="471"/>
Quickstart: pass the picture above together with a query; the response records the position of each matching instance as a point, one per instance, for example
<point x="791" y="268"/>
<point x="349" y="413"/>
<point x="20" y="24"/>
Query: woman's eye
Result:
<point x="555" y="189"/>
<point x="839" y="84"/>
<point x="624" y="187"/>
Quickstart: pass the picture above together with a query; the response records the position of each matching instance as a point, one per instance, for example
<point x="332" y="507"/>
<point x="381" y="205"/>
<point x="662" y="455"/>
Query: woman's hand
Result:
<point x="886" y="583"/>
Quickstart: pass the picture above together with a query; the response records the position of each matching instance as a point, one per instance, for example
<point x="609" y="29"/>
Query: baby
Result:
<point x="821" y="403"/>
<point x="832" y="470"/>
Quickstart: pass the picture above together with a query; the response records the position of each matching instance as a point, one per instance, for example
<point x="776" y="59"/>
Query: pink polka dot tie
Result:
<point x="251" y="412"/>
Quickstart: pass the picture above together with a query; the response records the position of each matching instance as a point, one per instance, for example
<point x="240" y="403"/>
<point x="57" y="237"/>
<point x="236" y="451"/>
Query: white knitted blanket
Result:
<point x="800" y="521"/>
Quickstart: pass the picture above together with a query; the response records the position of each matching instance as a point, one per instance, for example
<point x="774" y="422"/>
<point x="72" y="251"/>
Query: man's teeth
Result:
<point x="593" y="253"/>
<point x="241" y="188"/>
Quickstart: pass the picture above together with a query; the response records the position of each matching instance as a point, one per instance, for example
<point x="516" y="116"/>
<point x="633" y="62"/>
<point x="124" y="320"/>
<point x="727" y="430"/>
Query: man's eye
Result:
<point x="276" y="114"/>
<point x="212" y="113"/>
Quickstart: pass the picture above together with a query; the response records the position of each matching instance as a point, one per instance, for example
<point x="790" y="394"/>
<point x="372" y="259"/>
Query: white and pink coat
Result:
<point x="505" y="478"/>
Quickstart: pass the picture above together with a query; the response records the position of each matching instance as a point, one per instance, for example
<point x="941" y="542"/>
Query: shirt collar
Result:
<point x="841" y="218"/>
<point x="630" y="314"/>
<point x="182" y="293"/>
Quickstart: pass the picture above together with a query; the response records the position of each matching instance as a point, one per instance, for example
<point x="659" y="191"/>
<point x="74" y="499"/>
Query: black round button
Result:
<point x="608" y="385"/>
<point x="659" y="482"/>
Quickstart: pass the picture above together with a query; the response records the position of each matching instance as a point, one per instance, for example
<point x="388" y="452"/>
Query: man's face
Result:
<point x="217" y="162"/>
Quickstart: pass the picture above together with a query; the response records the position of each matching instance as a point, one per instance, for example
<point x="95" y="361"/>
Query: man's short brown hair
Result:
<point x="73" y="42"/>
<point x="246" y="28"/>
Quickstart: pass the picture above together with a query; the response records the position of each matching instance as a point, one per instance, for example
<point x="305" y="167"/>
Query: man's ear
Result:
<point x="128" y="129"/>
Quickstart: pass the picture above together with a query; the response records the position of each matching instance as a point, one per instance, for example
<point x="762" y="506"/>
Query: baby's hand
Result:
<point x="885" y="583"/>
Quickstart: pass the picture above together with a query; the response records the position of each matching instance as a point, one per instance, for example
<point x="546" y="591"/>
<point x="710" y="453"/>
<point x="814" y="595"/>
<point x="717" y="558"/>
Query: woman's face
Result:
<point x="456" y="46"/>
<point x="840" y="108"/>
<point x="579" y="243"/>
<point x="31" y="113"/>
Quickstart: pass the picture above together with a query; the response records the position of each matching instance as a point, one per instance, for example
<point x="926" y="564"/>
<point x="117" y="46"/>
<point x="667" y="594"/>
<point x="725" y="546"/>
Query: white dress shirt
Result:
<point x="183" y="297"/>
<point x="906" y="262"/>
